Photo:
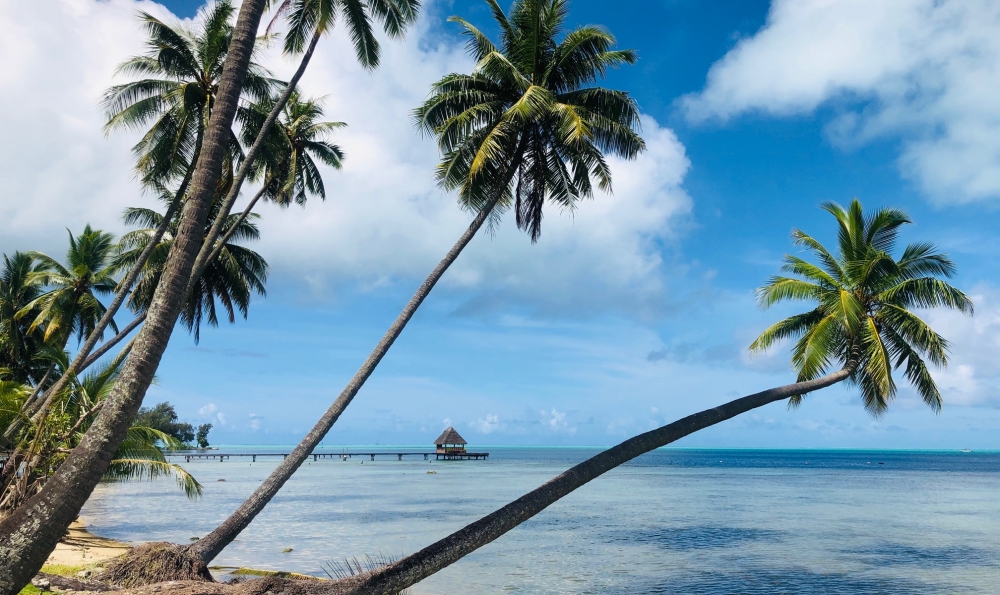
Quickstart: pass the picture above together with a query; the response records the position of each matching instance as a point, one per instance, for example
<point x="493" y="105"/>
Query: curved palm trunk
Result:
<point x="408" y="571"/>
<point x="33" y="530"/>
<point x="209" y="547"/>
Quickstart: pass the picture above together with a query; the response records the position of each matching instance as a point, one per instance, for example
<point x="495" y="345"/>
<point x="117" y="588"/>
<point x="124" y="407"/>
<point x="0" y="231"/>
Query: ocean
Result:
<point x="674" y="521"/>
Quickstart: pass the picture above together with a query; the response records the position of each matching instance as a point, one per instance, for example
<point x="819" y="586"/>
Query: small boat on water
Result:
<point x="966" y="450"/>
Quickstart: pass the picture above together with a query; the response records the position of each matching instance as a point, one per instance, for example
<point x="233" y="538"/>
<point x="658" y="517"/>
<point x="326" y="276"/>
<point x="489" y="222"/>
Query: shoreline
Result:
<point x="80" y="547"/>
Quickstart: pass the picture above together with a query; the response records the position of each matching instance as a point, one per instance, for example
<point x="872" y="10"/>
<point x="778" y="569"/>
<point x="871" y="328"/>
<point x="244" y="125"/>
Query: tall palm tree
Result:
<point x="72" y="304"/>
<point x="18" y="288"/>
<point x="860" y="329"/>
<point x="230" y="279"/>
<point x="523" y="128"/>
<point x="184" y="70"/>
<point x="311" y="19"/>
<point x="174" y="99"/>
<point x="33" y="529"/>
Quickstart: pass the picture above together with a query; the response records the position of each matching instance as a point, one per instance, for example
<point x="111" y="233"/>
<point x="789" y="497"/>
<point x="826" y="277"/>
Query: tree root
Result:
<point x="156" y="562"/>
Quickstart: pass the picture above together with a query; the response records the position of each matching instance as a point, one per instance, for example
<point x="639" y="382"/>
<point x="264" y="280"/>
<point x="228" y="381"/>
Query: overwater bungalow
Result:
<point x="450" y="442"/>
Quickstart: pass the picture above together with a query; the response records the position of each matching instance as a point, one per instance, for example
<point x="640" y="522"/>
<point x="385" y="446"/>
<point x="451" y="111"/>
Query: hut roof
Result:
<point x="450" y="436"/>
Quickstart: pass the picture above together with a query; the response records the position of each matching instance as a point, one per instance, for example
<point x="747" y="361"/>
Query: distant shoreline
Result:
<point x="348" y="447"/>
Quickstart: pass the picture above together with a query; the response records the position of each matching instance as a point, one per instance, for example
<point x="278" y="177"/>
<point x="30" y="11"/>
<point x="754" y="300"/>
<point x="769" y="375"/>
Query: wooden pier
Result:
<point x="316" y="456"/>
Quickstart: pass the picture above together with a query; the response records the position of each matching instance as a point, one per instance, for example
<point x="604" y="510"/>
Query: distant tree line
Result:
<point x="163" y="418"/>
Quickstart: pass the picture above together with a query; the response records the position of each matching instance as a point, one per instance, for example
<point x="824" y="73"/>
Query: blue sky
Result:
<point x="633" y="312"/>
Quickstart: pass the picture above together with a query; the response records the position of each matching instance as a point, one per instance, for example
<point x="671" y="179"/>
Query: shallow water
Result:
<point x="673" y="521"/>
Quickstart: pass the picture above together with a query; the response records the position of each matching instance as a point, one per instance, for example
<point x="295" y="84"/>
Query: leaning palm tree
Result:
<point x="183" y="72"/>
<point x="229" y="281"/>
<point x="524" y="128"/>
<point x="860" y="329"/>
<point x="34" y="528"/>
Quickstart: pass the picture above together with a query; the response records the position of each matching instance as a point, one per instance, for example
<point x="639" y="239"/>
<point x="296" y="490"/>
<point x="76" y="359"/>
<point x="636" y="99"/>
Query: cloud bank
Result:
<point x="383" y="220"/>
<point x="922" y="71"/>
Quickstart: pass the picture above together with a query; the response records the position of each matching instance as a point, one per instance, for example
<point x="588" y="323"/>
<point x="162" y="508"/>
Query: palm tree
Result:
<point x="72" y="305"/>
<point x="230" y="279"/>
<point x="523" y="128"/>
<point x="140" y="456"/>
<point x="312" y="19"/>
<point x="34" y="528"/>
<point x="860" y="330"/>
<point x="184" y="69"/>
<point x="18" y="288"/>
<point x="287" y="165"/>
<point x="177" y="103"/>
<point x="175" y="99"/>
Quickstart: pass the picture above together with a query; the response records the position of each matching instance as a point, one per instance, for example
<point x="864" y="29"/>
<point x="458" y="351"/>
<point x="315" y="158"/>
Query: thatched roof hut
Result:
<point x="450" y="441"/>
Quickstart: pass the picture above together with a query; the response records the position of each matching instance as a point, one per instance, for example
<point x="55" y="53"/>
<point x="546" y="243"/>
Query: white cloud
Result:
<point x="923" y="70"/>
<point x="384" y="218"/>
<point x="486" y="425"/>
<point x="973" y="374"/>
<point x="208" y="410"/>
<point x="58" y="169"/>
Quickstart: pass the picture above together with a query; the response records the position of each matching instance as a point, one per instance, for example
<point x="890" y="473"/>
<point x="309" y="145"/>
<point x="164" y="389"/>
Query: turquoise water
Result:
<point x="672" y="522"/>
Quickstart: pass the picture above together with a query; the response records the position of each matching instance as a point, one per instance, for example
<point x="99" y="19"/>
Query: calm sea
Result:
<point x="672" y="522"/>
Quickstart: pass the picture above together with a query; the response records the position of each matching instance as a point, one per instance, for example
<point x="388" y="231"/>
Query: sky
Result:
<point x="630" y="312"/>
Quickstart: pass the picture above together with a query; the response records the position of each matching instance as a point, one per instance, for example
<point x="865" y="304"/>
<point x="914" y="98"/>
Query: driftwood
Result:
<point x="65" y="583"/>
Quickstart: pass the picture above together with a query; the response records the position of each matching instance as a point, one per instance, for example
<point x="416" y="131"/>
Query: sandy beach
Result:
<point x="80" y="547"/>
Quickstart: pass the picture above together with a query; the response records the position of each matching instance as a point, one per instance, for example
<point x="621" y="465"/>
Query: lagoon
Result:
<point x="673" y="521"/>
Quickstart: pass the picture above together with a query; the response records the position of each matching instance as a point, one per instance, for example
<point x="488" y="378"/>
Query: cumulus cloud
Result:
<point x="58" y="168"/>
<point x="384" y="219"/>
<point x="973" y="374"/>
<point x="486" y="425"/>
<point x="925" y="71"/>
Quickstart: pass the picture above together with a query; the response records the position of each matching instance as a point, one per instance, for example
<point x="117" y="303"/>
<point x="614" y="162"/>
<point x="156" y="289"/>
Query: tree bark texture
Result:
<point x="408" y="571"/>
<point x="33" y="530"/>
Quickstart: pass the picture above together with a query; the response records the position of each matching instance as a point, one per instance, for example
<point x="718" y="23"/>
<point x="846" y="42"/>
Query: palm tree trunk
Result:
<point x="33" y="530"/>
<point x="107" y="346"/>
<point x="41" y="383"/>
<point x="209" y="547"/>
<point x="402" y="574"/>
<point x="208" y="250"/>
<point x="221" y="243"/>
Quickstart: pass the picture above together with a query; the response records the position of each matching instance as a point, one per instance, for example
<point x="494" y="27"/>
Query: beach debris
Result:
<point x="41" y="583"/>
<point x="155" y="562"/>
<point x="286" y="550"/>
<point x="195" y="538"/>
